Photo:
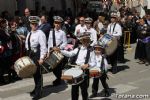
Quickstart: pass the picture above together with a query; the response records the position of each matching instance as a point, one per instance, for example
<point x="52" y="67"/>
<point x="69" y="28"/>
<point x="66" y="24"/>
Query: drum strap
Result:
<point x="54" y="39"/>
<point x="73" y="59"/>
<point x="87" y="55"/>
<point x="113" y="28"/>
<point x="102" y="65"/>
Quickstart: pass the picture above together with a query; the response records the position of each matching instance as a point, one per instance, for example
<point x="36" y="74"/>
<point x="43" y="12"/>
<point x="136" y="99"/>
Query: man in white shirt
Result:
<point x="80" y="28"/>
<point x="83" y="56"/>
<point x="115" y="30"/>
<point x="36" y="48"/>
<point x="92" y="31"/>
<point x="57" y="39"/>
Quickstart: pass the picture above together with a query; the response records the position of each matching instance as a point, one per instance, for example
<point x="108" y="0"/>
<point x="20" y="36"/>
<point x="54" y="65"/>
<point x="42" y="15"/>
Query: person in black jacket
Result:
<point x="5" y="50"/>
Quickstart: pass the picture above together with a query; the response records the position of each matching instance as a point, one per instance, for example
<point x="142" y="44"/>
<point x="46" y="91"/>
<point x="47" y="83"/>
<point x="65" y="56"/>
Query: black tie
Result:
<point x="29" y="44"/>
<point x="54" y="40"/>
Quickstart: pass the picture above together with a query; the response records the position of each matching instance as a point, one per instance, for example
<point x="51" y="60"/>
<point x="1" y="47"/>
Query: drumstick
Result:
<point x="77" y="66"/>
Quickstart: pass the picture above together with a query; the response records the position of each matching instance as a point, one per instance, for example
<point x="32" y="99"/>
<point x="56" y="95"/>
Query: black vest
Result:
<point x="74" y="58"/>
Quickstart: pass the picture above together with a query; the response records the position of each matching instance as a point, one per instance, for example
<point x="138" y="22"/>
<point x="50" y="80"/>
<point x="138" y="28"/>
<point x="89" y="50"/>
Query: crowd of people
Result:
<point x="38" y="36"/>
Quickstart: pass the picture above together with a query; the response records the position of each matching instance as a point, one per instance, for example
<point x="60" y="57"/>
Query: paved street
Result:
<point x="131" y="79"/>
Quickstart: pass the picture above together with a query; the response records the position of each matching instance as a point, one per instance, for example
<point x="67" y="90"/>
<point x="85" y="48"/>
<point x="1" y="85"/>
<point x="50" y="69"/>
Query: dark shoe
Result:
<point x="114" y="70"/>
<point x="56" y="82"/>
<point x="147" y="64"/>
<point x="2" y="83"/>
<point x="106" y="93"/>
<point x="141" y="62"/>
<point x="32" y="93"/>
<point x="93" y="95"/>
<point x="37" y="96"/>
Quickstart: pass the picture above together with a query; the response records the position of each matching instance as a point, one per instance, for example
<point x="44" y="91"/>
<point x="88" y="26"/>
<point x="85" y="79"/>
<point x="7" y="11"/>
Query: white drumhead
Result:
<point x="25" y="67"/>
<point x="24" y="61"/>
<point x="75" y="72"/>
<point x="95" y="68"/>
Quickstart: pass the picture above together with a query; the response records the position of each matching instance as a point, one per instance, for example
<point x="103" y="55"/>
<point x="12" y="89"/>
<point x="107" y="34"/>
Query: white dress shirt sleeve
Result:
<point x="92" y="60"/>
<point x="106" y="64"/>
<point x="26" y="42"/>
<point x="50" y="41"/>
<point x="64" y="41"/>
<point x="108" y="29"/>
<point x="69" y="53"/>
<point x="42" y="42"/>
<point x="94" y="37"/>
<point x="118" y="30"/>
<point x="76" y="29"/>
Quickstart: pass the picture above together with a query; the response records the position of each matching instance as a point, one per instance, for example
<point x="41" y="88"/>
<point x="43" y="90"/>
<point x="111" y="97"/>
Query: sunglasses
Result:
<point x="87" y="22"/>
<point x="57" y="22"/>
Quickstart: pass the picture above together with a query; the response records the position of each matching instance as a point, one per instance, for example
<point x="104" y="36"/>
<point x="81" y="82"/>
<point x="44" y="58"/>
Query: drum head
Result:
<point x="109" y="43"/>
<point x="25" y="67"/>
<point x="111" y="46"/>
<point x="75" y="72"/>
<point x="95" y="68"/>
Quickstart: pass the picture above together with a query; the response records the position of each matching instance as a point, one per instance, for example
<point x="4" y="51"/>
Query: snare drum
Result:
<point x="73" y="76"/>
<point x="54" y="59"/>
<point x="25" y="67"/>
<point x="109" y="42"/>
<point x="95" y="72"/>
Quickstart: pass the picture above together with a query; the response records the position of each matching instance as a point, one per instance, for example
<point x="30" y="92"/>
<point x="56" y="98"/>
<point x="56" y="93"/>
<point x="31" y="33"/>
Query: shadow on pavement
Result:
<point x="101" y="94"/>
<point x="122" y="68"/>
<point x="47" y="90"/>
<point x="123" y="61"/>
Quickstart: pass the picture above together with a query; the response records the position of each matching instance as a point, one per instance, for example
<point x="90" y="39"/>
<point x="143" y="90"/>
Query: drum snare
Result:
<point x="25" y="67"/>
<point x="54" y="59"/>
<point x="73" y="76"/>
<point x="109" y="42"/>
<point x="95" y="72"/>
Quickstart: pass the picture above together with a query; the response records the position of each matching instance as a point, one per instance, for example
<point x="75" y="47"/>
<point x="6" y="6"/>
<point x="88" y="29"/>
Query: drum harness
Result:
<point x="113" y="28"/>
<point x="73" y="60"/>
<point x="102" y="66"/>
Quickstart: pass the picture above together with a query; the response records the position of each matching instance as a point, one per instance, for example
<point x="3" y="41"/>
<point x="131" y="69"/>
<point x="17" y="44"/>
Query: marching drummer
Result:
<point x="92" y="31"/>
<point x="36" y="50"/>
<point x="101" y="63"/>
<point x="83" y="56"/>
<point x="115" y="30"/>
<point x="57" y="39"/>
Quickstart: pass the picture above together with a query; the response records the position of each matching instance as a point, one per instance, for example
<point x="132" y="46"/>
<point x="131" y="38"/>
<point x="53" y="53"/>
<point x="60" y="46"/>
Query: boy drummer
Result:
<point x="84" y="56"/>
<point x="101" y="62"/>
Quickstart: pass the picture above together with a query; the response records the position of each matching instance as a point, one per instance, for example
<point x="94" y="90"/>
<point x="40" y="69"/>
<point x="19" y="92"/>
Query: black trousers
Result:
<point x="38" y="79"/>
<point x="96" y="83"/>
<point x="148" y="51"/>
<point x="58" y="71"/>
<point x="5" y="65"/>
<point x="113" y="59"/>
<point x="84" y="88"/>
<point x="120" y="53"/>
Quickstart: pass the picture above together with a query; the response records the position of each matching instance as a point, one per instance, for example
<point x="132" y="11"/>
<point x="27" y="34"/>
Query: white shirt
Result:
<point x="93" y="36"/>
<point x="99" y="62"/>
<point x="117" y="30"/>
<point x="37" y="38"/>
<point x="60" y="38"/>
<point x="81" y="56"/>
<point x="148" y="21"/>
<point x="81" y="28"/>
